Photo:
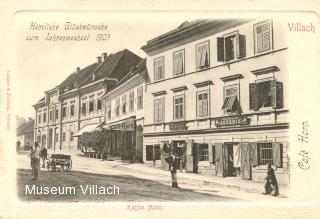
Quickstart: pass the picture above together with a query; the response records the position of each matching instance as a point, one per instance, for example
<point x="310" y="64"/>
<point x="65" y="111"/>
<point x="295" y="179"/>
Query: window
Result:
<point x="72" y="110"/>
<point x="131" y="101"/>
<point x="159" y="68"/>
<point x="39" y="117"/>
<point x="84" y="109"/>
<point x="64" y="111"/>
<point x="153" y="152"/>
<point x="266" y="94"/>
<point x="202" y="55"/>
<point x="178" y="62"/>
<point x="51" y="115"/>
<point x="124" y="104"/>
<point x="231" y="100"/>
<point x="159" y="110"/>
<point x="56" y="137"/>
<point x="203" y="152"/>
<point x="231" y="46"/>
<point x="44" y="116"/>
<point x="64" y="136"/>
<point x="99" y="104"/>
<point x="56" y="116"/>
<point x="265" y="153"/>
<point x="91" y="105"/>
<point x="117" y="109"/>
<point x="71" y="136"/>
<point x="140" y="97"/>
<point x="263" y="36"/>
<point x="109" y="110"/>
<point x="202" y="103"/>
<point x="178" y="109"/>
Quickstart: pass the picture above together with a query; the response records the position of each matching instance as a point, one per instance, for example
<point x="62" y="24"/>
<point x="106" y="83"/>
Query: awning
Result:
<point x="86" y="128"/>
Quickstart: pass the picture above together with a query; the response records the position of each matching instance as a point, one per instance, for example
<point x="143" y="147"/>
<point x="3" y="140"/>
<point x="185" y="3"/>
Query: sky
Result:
<point x="42" y="65"/>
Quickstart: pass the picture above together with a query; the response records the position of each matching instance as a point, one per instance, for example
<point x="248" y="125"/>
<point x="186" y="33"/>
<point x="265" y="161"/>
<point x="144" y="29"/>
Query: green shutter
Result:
<point x="220" y="43"/>
<point x="279" y="95"/>
<point x="277" y="154"/>
<point x="242" y="46"/>
<point x="253" y="96"/>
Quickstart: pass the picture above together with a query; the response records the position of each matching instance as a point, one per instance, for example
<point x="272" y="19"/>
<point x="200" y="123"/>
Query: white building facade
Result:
<point x="217" y="95"/>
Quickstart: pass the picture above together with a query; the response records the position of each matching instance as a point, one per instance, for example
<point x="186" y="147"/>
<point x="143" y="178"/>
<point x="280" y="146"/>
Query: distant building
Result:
<point x="25" y="134"/>
<point x="218" y="95"/>
<point x="124" y="114"/>
<point x="75" y="105"/>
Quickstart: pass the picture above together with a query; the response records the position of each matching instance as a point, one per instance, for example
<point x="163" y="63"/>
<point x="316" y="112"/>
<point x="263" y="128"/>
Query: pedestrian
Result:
<point x="44" y="155"/>
<point x="31" y="155"/>
<point x="36" y="162"/>
<point x="18" y="143"/>
<point x="173" y="161"/>
<point x="271" y="185"/>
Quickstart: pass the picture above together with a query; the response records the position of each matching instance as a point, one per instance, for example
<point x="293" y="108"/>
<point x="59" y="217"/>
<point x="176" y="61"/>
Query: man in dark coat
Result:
<point x="173" y="161"/>
<point x="271" y="184"/>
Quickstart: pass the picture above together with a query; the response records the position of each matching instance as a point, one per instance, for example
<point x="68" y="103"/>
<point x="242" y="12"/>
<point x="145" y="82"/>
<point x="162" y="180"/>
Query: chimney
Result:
<point x="78" y="69"/>
<point x="104" y="56"/>
<point x="99" y="59"/>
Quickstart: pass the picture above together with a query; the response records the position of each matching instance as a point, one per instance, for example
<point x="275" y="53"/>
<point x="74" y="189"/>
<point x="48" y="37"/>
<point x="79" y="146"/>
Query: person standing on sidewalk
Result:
<point x="44" y="155"/>
<point x="36" y="162"/>
<point x="31" y="155"/>
<point x="173" y="161"/>
<point x="271" y="184"/>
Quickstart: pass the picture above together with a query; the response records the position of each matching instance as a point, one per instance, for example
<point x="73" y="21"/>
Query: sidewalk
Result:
<point x="234" y="183"/>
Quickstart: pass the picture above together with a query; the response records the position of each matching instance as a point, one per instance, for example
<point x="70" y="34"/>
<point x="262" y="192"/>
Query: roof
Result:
<point x="115" y="66"/>
<point x="25" y="127"/>
<point x="190" y="31"/>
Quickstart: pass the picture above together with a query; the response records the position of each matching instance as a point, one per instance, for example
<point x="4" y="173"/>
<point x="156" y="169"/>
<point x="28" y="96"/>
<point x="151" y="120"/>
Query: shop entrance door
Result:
<point x="245" y="161"/>
<point x="191" y="157"/>
<point x="228" y="156"/>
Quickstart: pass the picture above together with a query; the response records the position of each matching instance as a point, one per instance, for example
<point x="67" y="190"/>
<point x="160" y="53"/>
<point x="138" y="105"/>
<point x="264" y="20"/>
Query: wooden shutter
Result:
<point x="245" y="161"/>
<point x="253" y="96"/>
<point x="254" y="154"/>
<point x="220" y="43"/>
<point x="273" y="93"/>
<point x="277" y="154"/>
<point x="279" y="95"/>
<point x="219" y="170"/>
<point x="210" y="149"/>
<point x="189" y="147"/>
<point x="242" y="46"/>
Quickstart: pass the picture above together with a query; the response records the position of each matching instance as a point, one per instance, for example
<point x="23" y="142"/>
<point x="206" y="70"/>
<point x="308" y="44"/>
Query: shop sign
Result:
<point x="232" y="121"/>
<point x="126" y="125"/>
<point x="173" y="126"/>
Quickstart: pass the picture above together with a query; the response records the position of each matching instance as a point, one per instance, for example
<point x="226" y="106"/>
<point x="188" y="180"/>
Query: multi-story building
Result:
<point x="75" y="105"/>
<point x="25" y="134"/>
<point x="217" y="96"/>
<point x="124" y="114"/>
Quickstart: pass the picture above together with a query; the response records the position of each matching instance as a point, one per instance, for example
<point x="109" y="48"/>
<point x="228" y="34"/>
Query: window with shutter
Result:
<point x="230" y="47"/>
<point x="265" y="153"/>
<point x="202" y="55"/>
<point x="159" y="68"/>
<point x="263" y="36"/>
<point x="178" y="62"/>
<point x="231" y="102"/>
<point x="253" y="96"/>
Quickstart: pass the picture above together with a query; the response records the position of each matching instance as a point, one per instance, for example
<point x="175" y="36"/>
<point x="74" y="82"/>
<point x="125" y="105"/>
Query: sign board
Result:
<point x="173" y="126"/>
<point x="125" y="125"/>
<point x="232" y="121"/>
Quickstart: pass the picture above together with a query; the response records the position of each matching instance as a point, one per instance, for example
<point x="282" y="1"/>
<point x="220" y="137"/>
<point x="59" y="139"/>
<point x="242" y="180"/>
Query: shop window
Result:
<point x="91" y="106"/>
<point x="131" y="101"/>
<point x="63" y="136"/>
<point x="178" y="62"/>
<point x="231" y="102"/>
<point x="159" y="110"/>
<point x="99" y="104"/>
<point x="153" y="152"/>
<point x="266" y="94"/>
<point x="140" y="97"/>
<point x="202" y="55"/>
<point x="263" y="36"/>
<point x="84" y="109"/>
<point x="231" y="46"/>
<point x="71" y="110"/>
<point x="202" y="103"/>
<point x="178" y="107"/>
<point x="159" y="68"/>
<point x="203" y="152"/>
<point x="270" y="153"/>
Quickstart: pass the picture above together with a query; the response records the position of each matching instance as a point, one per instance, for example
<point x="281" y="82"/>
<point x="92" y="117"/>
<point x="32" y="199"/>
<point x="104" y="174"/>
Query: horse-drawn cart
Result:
<point x="59" y="159"/>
